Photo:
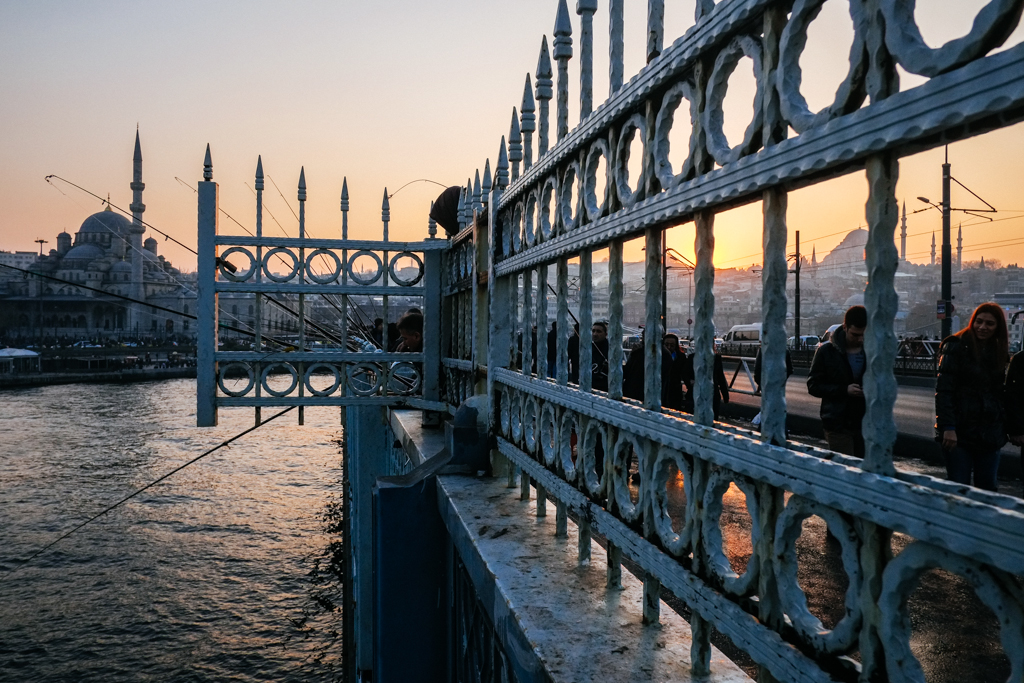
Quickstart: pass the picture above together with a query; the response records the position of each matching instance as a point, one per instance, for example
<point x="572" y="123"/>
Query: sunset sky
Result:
<point x="382" y="92"/>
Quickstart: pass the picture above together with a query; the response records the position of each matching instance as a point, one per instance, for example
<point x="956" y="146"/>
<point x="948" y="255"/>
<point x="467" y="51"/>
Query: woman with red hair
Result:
<point x="969" y="402"/>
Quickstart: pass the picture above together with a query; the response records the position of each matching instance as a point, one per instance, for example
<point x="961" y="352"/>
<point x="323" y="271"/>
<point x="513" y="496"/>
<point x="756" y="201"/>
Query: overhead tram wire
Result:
<point x="109" y="508"/>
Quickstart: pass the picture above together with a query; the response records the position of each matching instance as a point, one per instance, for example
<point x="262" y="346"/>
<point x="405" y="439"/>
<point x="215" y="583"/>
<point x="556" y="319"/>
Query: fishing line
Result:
<point x="12" y="572"/>
<point x="114" y="206"/>
<point x="136" y="301"/>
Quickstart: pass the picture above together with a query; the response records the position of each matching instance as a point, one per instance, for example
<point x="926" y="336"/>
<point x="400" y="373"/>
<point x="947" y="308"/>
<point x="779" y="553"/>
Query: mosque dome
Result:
<point x="121" y="267"/>
<point x="85" y="251"/>
<point x="106" y="222"/>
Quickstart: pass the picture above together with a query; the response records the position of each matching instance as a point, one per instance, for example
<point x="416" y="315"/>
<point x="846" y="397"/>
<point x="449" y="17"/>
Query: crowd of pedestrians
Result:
<point x="979" y="391"/>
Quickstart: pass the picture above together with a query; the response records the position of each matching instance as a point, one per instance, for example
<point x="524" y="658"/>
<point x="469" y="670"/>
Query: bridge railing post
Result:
<point x="206" y="300"/>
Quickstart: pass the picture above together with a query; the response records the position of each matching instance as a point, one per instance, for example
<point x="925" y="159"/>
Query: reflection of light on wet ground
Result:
<point x="736" y="526"/>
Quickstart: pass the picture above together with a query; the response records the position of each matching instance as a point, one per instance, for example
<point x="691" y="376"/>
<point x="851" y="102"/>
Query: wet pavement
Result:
<point x="954" y="636"/>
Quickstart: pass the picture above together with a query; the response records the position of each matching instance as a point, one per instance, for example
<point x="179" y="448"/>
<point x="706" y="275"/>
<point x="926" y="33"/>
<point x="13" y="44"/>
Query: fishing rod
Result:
<point x="236" y="437"/>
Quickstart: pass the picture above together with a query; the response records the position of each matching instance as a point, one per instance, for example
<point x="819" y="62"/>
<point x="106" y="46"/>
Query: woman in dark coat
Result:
<point x="969" y="398"/>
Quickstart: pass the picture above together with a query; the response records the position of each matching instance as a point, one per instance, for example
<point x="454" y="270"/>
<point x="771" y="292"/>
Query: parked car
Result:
<point x="742" y="340"/>
<point x="828" y="334"/>
<point x="807" y="341"/>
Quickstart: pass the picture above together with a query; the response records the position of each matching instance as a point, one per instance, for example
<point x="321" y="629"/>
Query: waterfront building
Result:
<point x="107" y="253"/>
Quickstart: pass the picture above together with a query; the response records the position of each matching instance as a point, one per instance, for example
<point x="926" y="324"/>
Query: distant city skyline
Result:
<point x="381" y="93"/>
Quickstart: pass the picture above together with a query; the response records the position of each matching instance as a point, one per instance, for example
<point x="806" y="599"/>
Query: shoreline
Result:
<point x="26" y="380"/>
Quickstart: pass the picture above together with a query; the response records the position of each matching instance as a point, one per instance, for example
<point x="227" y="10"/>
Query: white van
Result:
<point x="742" y="340"/>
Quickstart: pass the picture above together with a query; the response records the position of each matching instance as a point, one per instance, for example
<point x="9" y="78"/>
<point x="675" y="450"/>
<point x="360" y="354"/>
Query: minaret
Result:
<point x="933" y="247"/>
<point x="814" y="260"/>
<point x="903" y="234"/>
<point x="135" y="234"/>
<point x="960" y="247"/>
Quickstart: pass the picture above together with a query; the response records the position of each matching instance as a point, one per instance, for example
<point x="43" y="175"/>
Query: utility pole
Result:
<point x="947" y="253"/>
<point x="945" y="304"/>
<point x="796" y="293"/>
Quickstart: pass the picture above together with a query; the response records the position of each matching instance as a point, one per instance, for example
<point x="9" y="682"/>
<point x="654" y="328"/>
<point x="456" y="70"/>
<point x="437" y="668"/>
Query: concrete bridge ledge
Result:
<point x="560" y="620"/>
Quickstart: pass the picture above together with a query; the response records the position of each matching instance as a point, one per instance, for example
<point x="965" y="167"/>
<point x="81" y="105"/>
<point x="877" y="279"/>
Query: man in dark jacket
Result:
<point x="599" y="356"/>
<point x="673" y="372"/>
<point x="1014" y="400"/>
<point x="836" y="375"/>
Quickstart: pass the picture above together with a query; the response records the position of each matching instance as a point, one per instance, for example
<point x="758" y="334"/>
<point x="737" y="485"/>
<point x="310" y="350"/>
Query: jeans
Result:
<point x="846" y="442"/>
<point x="985" y="463"/>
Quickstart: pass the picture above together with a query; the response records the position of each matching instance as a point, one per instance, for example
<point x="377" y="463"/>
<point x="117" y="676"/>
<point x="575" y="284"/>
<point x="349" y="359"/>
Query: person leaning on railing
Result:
<point x="969" y="400"/>
<point x="835" y="377"/>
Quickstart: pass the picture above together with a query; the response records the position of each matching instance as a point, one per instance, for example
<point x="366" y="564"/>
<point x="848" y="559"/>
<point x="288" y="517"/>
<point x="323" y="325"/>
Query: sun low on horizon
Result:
<point x="398" y="96"/>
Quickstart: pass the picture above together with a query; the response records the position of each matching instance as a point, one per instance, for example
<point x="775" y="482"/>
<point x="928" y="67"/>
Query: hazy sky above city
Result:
<point x="382" y="92"/>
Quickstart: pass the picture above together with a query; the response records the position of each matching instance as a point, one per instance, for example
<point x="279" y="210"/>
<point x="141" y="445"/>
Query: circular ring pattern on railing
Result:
<point x="266" y="374"/>
<point x="404" y="379"/>
<point x="625" y="447"/>
<point x="991" y="27"/>
<point x="711" y="529"/>
<point x="670" y="104"/>
<point x="570" y="426"/>
<point x="718" y="84"/>
<point x="223" y="374"/>
<point x="569" y="211"/>
<point x="547" y="220"/>
<point x="900" y="578"/>
<point x="851" y="92"/>
<point x="548" y="433"/>
<point x="530" y="417"/>
<point x="504" y="412"/>
<point x="396" y="278"/>
<point x="591" y="481"/>
<point x="593" y="207"/>
<point x="329" y="277"/>
<point x="517" y="227"/>
<point x="308" y="377"/>
<point x="357" y="276"/>
<point x="364" y="378"/>
<point x="631" y="127"/>
<point x="788" y="529"/>
<point x="516" y="409"/>
<point x="278" y="251"/>
<point x="236" y="276"/>
<point x="676" y="542"/>
<point x="530" y="218"/>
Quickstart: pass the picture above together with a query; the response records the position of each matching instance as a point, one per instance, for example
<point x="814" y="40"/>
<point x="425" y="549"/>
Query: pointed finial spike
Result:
<point x="528" y="103"/>
<point x="138" y="145"/>
<point x="385" y="205"/>
<point x="259" y="172"/>
<point x="485" y="185"/>
<point x="563" y="27"/>
<point x="208" y="164"/>
<point x="302" y="184"/>
<point x="344" y="194"/>
<point x="501" y="168"/>
<point x="514" y="135"/>
<point x="544" y="61"/>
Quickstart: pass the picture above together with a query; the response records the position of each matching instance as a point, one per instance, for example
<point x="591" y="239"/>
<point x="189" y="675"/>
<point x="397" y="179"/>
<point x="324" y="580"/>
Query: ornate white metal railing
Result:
<point x="608" y="460"/>
<point x="329" y="353"/>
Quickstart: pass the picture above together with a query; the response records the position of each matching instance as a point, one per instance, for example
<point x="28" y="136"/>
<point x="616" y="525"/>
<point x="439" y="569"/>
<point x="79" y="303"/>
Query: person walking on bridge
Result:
<point x="836" y="378"/>
<point x="970" y="412"/>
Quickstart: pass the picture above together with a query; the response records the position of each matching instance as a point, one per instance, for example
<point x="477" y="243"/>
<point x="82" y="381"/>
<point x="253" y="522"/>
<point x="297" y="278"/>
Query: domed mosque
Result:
<point x="106" y="254"/>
